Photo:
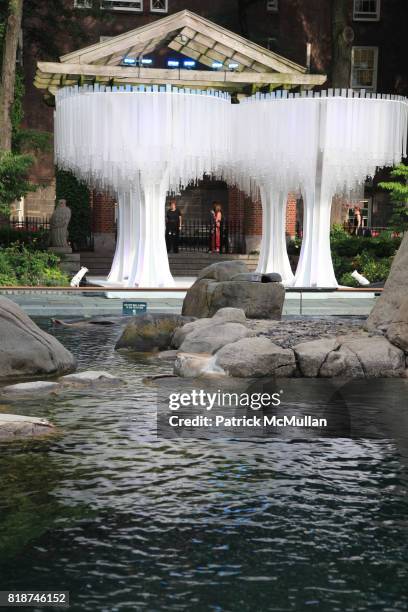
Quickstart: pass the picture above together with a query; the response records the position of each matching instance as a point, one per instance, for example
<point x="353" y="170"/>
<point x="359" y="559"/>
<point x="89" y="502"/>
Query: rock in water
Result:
<point x="254" y="358"/>
<point x="213" y="337"/>
<point x="217" y="288"/>
<point x="14" y="426"/>
<point x="350" y="356"/>
<point x="41" y="387"/>
<point x="149" y="333"/>
<point x="89" y="378"/>
<point x="395" y="291"/>
<point x="26" y="350"/>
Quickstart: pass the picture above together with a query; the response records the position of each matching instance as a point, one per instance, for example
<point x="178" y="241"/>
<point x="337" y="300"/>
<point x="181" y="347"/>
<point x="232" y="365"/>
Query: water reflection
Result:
<point x="127" y="521"/>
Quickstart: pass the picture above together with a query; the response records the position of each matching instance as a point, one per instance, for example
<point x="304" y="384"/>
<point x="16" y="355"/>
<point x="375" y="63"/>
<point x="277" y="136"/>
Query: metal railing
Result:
<point x="200" y="236"/>
<point x="31" y="227"/>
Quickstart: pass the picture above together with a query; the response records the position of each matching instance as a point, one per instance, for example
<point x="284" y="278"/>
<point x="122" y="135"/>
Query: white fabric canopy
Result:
<point x="138" y="143"/>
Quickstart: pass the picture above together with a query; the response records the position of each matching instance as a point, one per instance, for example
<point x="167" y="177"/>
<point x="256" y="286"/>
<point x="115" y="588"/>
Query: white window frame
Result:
<point x="272" y="6"/>
<point x="109" y="5"/>
<point x="83" y="4"/>
<point x="159" y="10"/>
<point x="372" y="87"/>
<point x="359" y="15"/>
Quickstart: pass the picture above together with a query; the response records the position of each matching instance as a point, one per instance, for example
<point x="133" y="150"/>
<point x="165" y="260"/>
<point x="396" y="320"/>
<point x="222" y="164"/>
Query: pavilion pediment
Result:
<point x="193" y="37"/>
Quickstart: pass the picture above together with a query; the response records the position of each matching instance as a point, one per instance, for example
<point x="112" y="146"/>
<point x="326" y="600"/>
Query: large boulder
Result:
<point x="312" y="355"/>
<point x="257" y="300"/>
<point x="211" y="338"/>
<point x="397" y="332"/>
<point x="354" y="356"/>
<point x="13" y="426"/>
<point x="395" y="291"/>
<point x="228" y="284"/>
<point x="223" y="270"/>
<point x="378" y="357"/>
<point x="214" y="290"/>
<point x="256" y="357"/>
<point x="150" y="332"/>
<point x="224" y="315"/>
<point x="26" y="350"/>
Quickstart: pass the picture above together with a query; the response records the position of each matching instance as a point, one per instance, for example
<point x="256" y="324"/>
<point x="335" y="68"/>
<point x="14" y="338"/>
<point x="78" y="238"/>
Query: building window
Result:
<point x="123" y="5"/>
<point x="364" y="61"/>
<point x="272" y="6"/>
<point x="366" y="10"/>
<point x="85" y="4"/>
<point x="159" y="6"/>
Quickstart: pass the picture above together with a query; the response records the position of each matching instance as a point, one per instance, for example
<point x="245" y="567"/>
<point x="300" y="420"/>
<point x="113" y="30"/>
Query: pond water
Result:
<point x="127" y="521"/>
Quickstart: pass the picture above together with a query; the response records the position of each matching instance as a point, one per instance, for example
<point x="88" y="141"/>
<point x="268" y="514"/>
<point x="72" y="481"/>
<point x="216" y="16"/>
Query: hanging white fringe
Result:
<point x="141" y="142"/>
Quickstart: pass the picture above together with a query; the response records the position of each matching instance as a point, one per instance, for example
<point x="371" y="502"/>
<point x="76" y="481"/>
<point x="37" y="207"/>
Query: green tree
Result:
<point x="398" y="189"/>
<point x="14" y="183"/>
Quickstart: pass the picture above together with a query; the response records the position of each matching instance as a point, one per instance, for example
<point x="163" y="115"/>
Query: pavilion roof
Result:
<point x="190" y="35"/>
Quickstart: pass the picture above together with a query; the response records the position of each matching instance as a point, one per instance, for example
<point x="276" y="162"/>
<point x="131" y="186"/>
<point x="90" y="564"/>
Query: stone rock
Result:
<point x="223" y="270"/>
<point x="258" y="277"/>
<point x="272" y="277"/>
<point x="210" y="338"/>
<point x="149" y="333"/>
<point x="90" y="377"/>
<point x="397" y="332"/>
<point x="224" y="315"/>
<point x="395" y="291"/>
<point x="341" y="362"/>
<point x="190" y="365"/>
<point x="28" y="388"/>
<point x="355" y="356"/>
<point x="256" y="357"/>
<point x="257" y="300"/>
<point x="229" y="315"/>
<point x="377" y="356"/>
<point x="13" y="426"/>
<point x="170" y="355"/>
<point x="312" y="355"/>
<point x="26" y="350"/>
<point x="181" y="333"/>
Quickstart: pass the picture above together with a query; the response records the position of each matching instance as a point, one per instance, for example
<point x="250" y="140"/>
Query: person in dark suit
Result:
<point x="174" y="221"/>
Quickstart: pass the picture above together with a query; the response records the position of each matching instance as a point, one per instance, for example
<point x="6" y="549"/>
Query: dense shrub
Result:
<point x="36" y="239"/>
<point x="21" y="265"/>
<point x="372" y="257"/>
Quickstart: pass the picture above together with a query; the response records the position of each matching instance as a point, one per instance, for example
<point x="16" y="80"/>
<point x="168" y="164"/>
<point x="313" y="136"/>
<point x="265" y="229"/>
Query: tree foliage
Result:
<point x="14" y="183"/>
<point x="398" y="189"/>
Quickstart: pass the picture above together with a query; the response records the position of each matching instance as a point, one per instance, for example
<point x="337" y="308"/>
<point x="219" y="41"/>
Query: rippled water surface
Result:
<point x="126" y="521"/>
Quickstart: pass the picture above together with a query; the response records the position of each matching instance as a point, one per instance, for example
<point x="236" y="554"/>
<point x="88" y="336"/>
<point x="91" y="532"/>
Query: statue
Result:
<point x="59" y="226"/>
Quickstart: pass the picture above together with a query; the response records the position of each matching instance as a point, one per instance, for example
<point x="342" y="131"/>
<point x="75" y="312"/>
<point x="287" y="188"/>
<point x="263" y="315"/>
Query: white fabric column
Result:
<point x="315" y="267"/>
<point x="274" y="256"/>
<point x="150" y="261"/>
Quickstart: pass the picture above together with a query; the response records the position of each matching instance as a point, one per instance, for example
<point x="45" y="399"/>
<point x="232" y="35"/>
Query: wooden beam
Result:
<point x="161" y="75"/>
<point x="140" y="35"/>
<point x="194" y="27"/>
<point x="241" y="45"/>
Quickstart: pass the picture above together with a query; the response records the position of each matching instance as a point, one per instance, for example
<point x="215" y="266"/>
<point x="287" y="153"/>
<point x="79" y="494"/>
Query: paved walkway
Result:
<point x="59" y="305"/>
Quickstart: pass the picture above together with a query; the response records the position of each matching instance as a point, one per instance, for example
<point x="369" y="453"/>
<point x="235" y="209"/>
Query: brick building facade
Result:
<point x="301" y="30"/>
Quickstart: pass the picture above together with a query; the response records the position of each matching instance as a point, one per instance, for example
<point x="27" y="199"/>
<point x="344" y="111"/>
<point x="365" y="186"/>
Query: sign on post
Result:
<point x="134" y="308"/>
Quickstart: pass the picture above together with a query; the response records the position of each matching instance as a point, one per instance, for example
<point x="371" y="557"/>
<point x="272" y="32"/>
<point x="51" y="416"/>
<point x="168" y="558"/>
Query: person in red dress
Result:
<point x="216" y="236"/>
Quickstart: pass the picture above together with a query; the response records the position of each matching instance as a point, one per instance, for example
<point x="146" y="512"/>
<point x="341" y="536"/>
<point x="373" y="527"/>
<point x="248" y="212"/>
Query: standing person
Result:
<point x="173" y="227"/>
<point x="357" y="220"/>
<point x="212" y="227"/>
<point x="216" y="235"/>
